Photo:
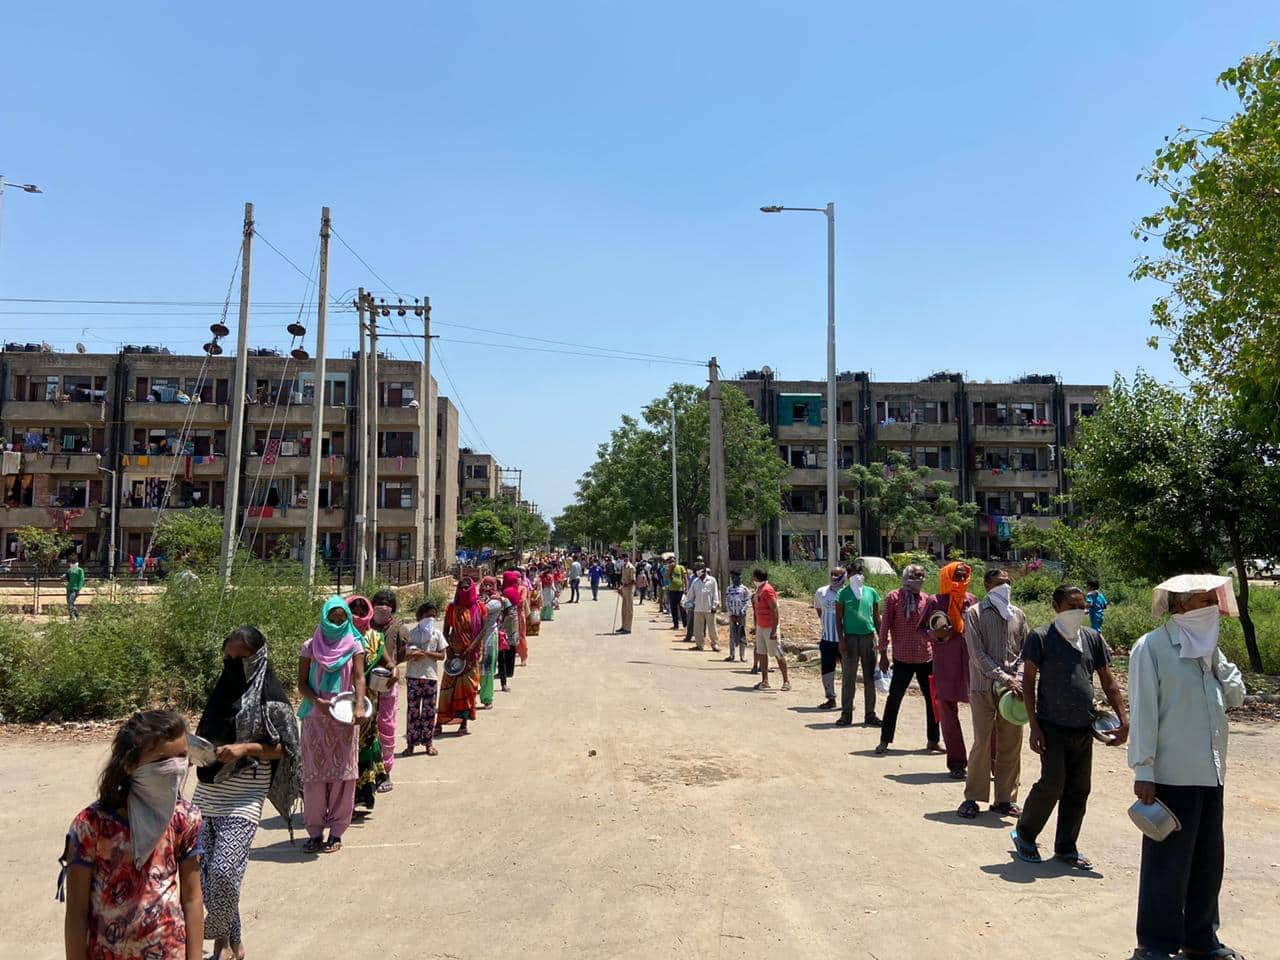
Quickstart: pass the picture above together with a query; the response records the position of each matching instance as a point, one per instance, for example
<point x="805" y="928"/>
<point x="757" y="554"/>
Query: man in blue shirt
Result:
<point x="1095" y="603"/>
<point x="595" y="573"/>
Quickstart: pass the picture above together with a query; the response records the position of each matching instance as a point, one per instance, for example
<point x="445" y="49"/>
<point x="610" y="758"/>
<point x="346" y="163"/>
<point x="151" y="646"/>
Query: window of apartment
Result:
<point x="937" y="458"/>
<point x="69" y="493"/>
<point x="989" y="414"/>
<point x="847" y="457"/>
<point x="280" y="492"/>
<point x="802" y="501"/>
<point x="1079" y="409"/>
<point x="742" y="547"/>
<point x="477" y="471"/>
<point x="395" y="546"/>
<point x="802" y="456"/>
<point x="396" y="494"/>
<point x="1028" y="413"/>
<point x="799" y="411"/>
<point x="331" y="494"/>
<point x="846" y="412"/>
<point x="292" y="443"/>
<point x="400" y="393"/>
<point x="335" y="389"/>
<point x="396" y="443"/>
<point x="41" y="388"/>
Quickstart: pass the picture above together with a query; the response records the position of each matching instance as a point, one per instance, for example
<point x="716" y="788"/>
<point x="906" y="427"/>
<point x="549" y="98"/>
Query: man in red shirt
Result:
<point x="912" y="656"/>
<point x="764" y="604"/>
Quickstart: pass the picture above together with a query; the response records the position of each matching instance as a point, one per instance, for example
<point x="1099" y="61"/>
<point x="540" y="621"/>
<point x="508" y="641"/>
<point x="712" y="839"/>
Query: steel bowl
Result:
<point x="1105" y="725"/>
<point x="1154" y="819"/>
<point x="380" y="679"/>
<point x="455" y="666"/>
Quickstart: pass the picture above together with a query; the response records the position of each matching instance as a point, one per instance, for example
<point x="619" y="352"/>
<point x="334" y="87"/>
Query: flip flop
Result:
<point x="968" y="810"/>
<point x="1077" y="860"/>
<point x="1026" y="852"/>
<point x="313" y="845"/>
<point x="762" y="686"/>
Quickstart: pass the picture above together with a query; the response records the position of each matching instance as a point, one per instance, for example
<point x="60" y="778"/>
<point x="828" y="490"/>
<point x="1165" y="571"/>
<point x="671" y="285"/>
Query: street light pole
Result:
<point x="111" y="527"/>
<point x="833" y="451"/>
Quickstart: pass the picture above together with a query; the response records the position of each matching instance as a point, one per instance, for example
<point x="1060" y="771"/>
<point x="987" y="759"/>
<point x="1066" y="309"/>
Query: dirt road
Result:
<point x="632" y="799"/>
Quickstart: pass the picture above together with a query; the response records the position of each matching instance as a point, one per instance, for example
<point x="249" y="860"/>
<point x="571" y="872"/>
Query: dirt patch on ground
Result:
<point x="687" y="771"/>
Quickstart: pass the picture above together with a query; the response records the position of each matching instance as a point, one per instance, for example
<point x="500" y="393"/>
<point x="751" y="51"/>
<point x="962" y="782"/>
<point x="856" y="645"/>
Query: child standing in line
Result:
<point x="131" y="865"/>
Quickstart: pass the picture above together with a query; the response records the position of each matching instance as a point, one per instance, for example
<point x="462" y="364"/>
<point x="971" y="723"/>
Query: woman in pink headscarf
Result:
<point x="463" y="620"/>
<point x="513" y="626"/>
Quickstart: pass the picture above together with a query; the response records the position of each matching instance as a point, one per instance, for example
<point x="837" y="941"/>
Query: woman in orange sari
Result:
<point x="463" y="620"/>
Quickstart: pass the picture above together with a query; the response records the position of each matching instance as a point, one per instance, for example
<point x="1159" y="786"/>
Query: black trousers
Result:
<point x="678" y="617"/>
<point x="574" y="596"/>
<point x="1181" y="876"/>
<point x="595" y="589"/>
<point x="1066" y="776"/>
<point x="506" y="664"/>
<point x="903" y="674"/>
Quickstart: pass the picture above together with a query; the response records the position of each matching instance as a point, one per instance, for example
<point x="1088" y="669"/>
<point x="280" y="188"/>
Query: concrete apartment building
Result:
<point x="478" y="477"/>
<point x="160" y="421"/>
<point x="998" y="445"/>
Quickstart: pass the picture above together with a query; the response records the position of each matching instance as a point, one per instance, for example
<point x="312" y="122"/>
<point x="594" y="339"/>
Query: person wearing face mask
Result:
<point x="704" y="599"/>
<point x="912" y="657"/>
<point x="1180" y="688"/>
<point x="131" y="862"/>
<point x="250" y="720"/>
<point x="994" y="632"/>
<point x="858" y="616"/>
<point x="943" y="619"/>
<point x="824" y="605"/>
<point x="1060" y="660"/>
<point x="395" y="638"/>
<point x="737" y="601"/>
<point x="425" y="651"/>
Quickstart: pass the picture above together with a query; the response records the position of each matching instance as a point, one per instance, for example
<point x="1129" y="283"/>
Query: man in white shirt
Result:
<point x="824" y="604"/>
<point x="704" y="596"/>
<point x="1180" y="687"/>
<point x="575" y="574"/>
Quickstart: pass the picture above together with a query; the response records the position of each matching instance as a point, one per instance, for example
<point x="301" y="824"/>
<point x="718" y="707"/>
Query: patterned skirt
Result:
<point x="328" y="749"/>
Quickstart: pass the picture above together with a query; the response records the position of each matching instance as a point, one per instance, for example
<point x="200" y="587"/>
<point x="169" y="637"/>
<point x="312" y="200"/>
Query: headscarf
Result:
<point x="249" y="705"/>
<point x="511" y="587"/>
<point x="949" y="586"/>
<point x="489" y="586"/>
<point x="465" y="618"/>
<point x="361" y="622"/>
<point x="333" y="643"/>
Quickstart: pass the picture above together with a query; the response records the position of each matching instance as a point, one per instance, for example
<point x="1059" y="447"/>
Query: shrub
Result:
<point x="1035" y="587"/>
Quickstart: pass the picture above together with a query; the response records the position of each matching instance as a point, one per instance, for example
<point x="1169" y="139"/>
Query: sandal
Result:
<point x="385" y="787"/>
<point x="968" y="810"/>
<point x="1077" y="860"/>
<point x="1024" y="851"/>
<point x="313" y="845"/>
<point x="762" y="686"/>
<point x="332" y="845"/>
<point x="432" y="752"/>
<point x="1007" y="809"/>
<point x="786" y="685"/>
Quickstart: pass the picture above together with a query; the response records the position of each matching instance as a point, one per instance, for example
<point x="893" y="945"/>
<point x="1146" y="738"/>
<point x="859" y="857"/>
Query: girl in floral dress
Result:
<point x="131" y="864"/>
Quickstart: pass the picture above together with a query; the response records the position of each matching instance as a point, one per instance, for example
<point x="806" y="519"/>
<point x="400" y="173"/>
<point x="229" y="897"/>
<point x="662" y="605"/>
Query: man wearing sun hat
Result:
<point x="1180" y="687"/>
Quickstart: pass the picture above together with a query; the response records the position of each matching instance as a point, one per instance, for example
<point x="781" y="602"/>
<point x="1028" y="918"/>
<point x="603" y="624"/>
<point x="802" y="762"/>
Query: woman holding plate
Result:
<point x="330" y="666"/>
<point x="463" y="622"/>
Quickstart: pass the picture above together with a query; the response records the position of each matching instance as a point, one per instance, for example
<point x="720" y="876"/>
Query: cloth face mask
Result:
<point x="999" y="597"/>
<point x="153" y="794"/>
<point x="1199" y="631"/>
<point x="1068" y="624"/>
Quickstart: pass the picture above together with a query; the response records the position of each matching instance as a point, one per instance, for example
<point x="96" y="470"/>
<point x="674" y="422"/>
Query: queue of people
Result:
<point x="147" y="874"/>
<point x="1013" y="676"/>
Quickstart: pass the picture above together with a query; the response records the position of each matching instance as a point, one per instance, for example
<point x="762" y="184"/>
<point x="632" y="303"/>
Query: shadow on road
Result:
<point x="812" y="709"/>
<point x="991" y="822"/>
<point x="1015" y="871"/>
<point x="825" y="726"/>
<point x="920" y="779"/>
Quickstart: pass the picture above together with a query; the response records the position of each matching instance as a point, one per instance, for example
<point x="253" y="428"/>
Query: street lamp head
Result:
<point x="773" y="208"/>
<point x="30" y="188"/>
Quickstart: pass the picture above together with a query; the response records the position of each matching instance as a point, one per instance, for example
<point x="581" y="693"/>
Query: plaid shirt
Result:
<point x="910" y="641"/>
<point x="736" y="600"/>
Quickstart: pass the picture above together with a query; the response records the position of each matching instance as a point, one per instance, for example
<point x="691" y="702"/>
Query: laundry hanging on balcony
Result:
<point x="271" y="452"/>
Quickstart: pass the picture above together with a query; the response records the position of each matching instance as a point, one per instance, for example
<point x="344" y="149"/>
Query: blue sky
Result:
<point x="591" y="172"/>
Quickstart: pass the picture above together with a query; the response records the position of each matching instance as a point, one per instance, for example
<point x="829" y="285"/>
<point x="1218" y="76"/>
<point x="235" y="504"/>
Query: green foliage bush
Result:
<point x="1035" y="587"/>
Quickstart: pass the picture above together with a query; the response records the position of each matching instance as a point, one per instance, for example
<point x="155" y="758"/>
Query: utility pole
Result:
<point x="235" y="441"/>
<point x="310" y="545"/>
<point x="833" y="451"/>
<point x="675" y="492"/>
<point x="428" y="448"/>
<point x="362" y="425"/>
<point x="371" y="518"/>
<point x="718" y="535"/>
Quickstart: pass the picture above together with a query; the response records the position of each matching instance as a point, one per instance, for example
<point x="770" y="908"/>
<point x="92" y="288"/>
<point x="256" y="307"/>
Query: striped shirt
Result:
<point x="824" y="601"/>
<point x="240" y="795"/>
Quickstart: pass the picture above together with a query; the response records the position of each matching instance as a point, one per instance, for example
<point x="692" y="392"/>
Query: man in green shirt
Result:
<point x="675" y="593"/>
<point x="858" y="616"/>
<point x="75" y="583"/>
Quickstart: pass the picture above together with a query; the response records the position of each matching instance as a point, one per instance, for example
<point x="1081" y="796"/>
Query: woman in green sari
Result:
<point x="371" y="773"/>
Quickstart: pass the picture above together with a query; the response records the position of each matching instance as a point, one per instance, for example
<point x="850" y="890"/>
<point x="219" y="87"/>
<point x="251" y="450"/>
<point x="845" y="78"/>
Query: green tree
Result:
<point x="630" y="479"/>
<point x="906" y="503"/>
<point x="1219" y="227"/>
<point x="190" y="538"/>
<point x="44" y="547"/>
<point x="532" y="528"/>
<point x="1174" y="485"/>
<point x="483" y="528"/>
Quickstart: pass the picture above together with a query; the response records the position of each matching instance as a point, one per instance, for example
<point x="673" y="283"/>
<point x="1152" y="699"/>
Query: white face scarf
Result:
<point x="1199" y="631"/>
<point x="153" y="793"/>
<point x="1068" y="624"/>
<point x="856" y="585"/>
<point x="999" y="597"/>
